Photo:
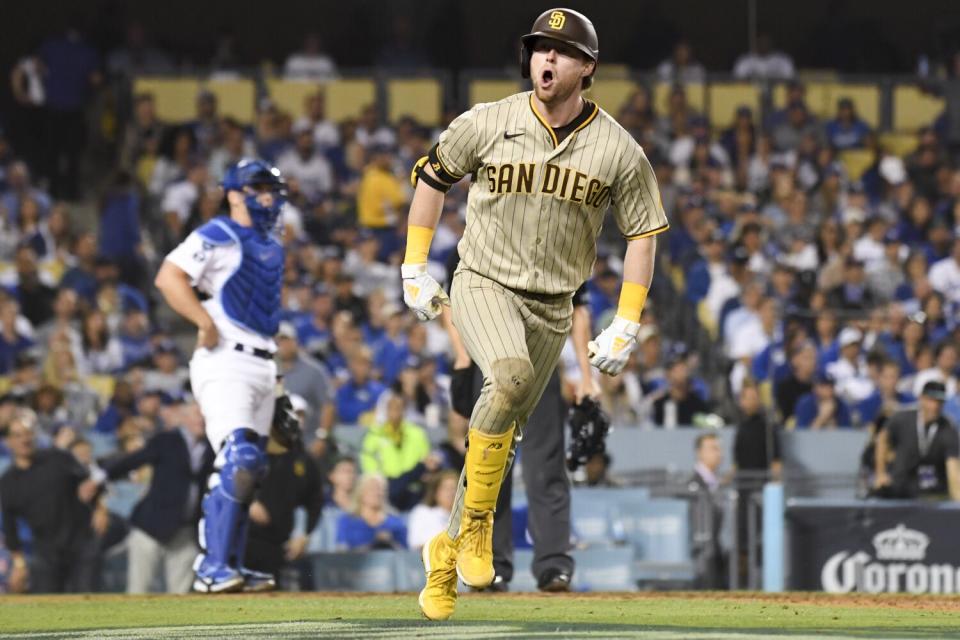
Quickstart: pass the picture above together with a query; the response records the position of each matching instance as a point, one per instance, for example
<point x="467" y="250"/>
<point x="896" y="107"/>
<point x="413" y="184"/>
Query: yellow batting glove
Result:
<point x="610" y="350"/>
<point x="421" y="292"/>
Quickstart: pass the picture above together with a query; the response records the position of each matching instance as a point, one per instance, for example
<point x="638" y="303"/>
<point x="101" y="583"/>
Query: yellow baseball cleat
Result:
<point x="475" y="544"/>
<point x="439" y="596"/>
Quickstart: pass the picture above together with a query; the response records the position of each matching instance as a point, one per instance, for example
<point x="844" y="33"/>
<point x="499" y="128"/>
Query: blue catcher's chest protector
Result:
<point x="251" y="297"/>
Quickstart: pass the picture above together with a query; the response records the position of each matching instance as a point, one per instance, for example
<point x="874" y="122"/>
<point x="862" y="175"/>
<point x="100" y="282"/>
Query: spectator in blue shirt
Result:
<point x="370" y="525"/>
<point x="313" y="330"/>
<point x="12" y="340"/>
<point x="82" y="277"/>
<point x="885" y="400"/>
<point x="847" y="130"/>
<point x="392" y="351"/>
<point x="119" y="229"/>
<point x="359" y="394"/>
<point x="822" y="408"/>
<point x="72" y="70"/>
<point x="20" y="188"/>
<point x="134" y="336"/>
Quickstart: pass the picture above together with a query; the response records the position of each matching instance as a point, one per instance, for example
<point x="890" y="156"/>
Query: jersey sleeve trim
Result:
<point x="647" y="234"/>
<point x="444" y="173"/>
<point x="553" y="135"/>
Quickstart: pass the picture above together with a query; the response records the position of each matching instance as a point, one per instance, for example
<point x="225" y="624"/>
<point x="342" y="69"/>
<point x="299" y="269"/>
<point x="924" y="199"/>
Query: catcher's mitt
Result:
<point x="285" y="428"/>
<point x="589" y="427"/>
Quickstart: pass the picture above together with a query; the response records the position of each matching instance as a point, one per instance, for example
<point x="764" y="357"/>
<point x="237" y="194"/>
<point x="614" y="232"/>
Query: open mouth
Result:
<point x="546" y="78"/>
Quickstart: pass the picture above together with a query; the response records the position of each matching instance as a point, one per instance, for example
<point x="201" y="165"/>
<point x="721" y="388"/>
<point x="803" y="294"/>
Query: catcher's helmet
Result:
<point x="565" y="25"/>
<point x="257" y="173"/>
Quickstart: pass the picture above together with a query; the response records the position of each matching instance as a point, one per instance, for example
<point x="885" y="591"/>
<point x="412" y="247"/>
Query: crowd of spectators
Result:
<point x="830" y="299"/>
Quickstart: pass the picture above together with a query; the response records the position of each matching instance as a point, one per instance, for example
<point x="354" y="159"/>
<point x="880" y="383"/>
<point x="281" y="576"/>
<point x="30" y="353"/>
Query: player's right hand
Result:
<point x="208" y="336"/>
<point x="421" y="292"/>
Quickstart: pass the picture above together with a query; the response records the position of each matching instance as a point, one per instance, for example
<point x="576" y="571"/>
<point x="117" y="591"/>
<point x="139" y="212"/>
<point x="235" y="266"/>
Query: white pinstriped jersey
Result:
<point x="536" y="205"/>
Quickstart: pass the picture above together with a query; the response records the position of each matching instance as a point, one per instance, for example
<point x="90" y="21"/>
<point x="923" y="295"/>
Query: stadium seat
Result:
<point x="409" y="570"/>
<point x="609" y="70"/>
<point x="696" y="97"/>
<point x="612" y="94"/>
<point x="354" y="571"/>
<point x="421" y="98"/>
<point x="346" y="98"/>
<point x="865" y="97"/>
<point x="818" y="98"/>
<point x="102" y="444"/>
<point x="290" y="95"/>
<point x="900" y="144"/>
<point x="491" y="90"/>
<point x="591" y="521"/>
<point x="102" y="385"/>
<point x="659" y="531"/>
<point x="324" y="536"/>
<point x="856" y="161"/>
<point x="235" y="98"/>
<point x="707" y="321"/>
<point x="912" y="108"/>
<point x="604" y="569"/>
<point x="727" y="97"/>
<point x="175" y="98"/>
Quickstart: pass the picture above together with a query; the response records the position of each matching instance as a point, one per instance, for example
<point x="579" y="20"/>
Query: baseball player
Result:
<point x="238" y="263"/>
<point x="547" y="163"/>
<point x="544" y="470"/>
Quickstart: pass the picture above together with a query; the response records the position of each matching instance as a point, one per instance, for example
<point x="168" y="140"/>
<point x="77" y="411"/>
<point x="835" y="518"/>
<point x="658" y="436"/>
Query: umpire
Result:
<point x="543" y="468"/>
<point x="292" y="481"/>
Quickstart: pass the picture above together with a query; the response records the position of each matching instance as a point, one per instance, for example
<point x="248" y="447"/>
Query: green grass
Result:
<point x="596" y="615"/>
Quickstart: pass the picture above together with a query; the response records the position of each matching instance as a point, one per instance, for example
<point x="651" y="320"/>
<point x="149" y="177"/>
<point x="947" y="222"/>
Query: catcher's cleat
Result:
<point x="475" y="548"/>
<point x="217" y="579"/>
<point x="439" y="596"/>
<point x="257" y="581"/>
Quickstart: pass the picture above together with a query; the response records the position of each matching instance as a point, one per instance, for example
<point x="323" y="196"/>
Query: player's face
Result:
<point x="556" y="69"/>
<point x="264" y="193"/>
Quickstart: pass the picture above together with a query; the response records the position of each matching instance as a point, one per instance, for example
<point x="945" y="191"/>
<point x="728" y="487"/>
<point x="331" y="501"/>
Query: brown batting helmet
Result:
<point x="565" y="25"/>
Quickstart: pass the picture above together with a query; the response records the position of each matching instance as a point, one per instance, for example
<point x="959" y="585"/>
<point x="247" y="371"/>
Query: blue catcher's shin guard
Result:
<point x="224" y="525"/>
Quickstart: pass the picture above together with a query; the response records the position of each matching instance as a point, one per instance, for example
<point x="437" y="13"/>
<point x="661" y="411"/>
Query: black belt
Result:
<point x="253" y="351"/>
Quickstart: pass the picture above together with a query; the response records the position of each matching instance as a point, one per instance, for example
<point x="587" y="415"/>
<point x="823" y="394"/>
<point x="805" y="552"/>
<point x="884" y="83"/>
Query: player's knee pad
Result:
<point x="512" y="382"/>
<point x="244" y="464"/>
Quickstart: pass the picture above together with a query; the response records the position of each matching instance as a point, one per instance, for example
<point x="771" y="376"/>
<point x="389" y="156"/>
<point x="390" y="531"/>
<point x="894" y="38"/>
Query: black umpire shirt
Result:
<point x="921" y="452"/>
<point x="45" y="495"/>
<point x="292" y="481"/>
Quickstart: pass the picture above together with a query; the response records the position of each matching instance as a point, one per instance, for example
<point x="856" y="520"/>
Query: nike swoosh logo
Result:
<point x="508" y="136"/>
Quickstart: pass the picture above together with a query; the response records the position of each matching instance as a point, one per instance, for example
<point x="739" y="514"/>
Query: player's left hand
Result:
<point x="610" y="350"/>
<point x="421" y="292"/>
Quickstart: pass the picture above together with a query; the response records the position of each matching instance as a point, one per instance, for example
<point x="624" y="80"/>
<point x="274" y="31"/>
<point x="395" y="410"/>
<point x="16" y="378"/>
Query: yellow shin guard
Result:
<point x="486" y="458"/>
